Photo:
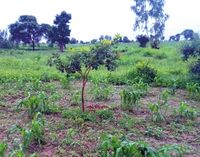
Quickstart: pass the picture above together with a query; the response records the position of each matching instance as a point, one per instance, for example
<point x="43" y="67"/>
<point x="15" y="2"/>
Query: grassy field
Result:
<point x="163" y="117"/>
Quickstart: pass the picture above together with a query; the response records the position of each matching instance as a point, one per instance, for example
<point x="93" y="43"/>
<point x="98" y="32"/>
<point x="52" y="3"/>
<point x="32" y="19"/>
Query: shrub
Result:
<point x="146" y="73"/>
<point x="192" y="49"/>
<point x="143" y="40"/>
<point x="195" y="70"/>
<point x="193" y="90"/>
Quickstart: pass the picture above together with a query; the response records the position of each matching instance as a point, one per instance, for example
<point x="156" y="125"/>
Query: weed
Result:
<point x="112" y="146"/>
<point x="155" y="132"/>
<point x="130" y="99"/>
<point x="184" y="110"/>
<point x="193" y="90"/>
<point x="157" y="115"/>
<point x="65" y="83"/>
<point x="105" y="114"/>
<point x="34" y="133"/>
<point x="75" y="98"/>
<point x="3" y="148"/>
<point x="68" y="140"/>
<point x="127" y="122"/>
<point x="101" y="91"/>
<point x="35" y="103"/>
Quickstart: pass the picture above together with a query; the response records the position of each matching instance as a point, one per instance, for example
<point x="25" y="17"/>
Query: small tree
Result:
<point x="83" y="63"/>
<point x="60" y="32"/>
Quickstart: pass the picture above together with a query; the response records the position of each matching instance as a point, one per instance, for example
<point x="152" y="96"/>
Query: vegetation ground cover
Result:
<point x="25" y="76"/>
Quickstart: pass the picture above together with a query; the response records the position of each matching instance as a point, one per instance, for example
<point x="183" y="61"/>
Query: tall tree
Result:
<point x="150" y="18"/>
<point x="60" y="32"/>
<point x="26" y="29"/>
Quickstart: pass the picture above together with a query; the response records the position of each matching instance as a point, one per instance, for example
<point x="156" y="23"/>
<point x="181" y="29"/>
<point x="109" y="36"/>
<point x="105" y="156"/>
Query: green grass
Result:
<point x="26" y="65"/>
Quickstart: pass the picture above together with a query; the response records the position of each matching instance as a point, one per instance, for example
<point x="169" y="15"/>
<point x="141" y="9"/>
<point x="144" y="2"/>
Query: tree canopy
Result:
<point x="26" y="30"/>
<point x="60" y="31"/>
<point x="150" y="18"/>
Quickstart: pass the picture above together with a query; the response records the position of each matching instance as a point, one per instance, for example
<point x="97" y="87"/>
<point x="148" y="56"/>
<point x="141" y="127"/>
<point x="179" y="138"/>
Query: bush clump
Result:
<point x="143" y="40"/>
<point x="145" y="72"/>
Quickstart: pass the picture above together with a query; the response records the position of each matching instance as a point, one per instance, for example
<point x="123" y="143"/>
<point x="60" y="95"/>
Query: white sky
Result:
<point x="92" y="18"/>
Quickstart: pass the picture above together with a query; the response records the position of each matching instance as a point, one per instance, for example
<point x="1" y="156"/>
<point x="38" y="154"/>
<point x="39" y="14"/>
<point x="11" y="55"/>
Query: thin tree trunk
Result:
<point x="61" y="48"/>
<point x="83" y="95"/>
<point x="33" y="45"/>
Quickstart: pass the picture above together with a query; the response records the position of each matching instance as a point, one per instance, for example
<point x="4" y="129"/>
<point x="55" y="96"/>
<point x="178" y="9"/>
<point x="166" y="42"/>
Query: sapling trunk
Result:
<point x="84" y="81"/>
<point x="83" y="94"/>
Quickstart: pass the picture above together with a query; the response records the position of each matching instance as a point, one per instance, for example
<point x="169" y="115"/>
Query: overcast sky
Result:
<point x="92" y="18"/>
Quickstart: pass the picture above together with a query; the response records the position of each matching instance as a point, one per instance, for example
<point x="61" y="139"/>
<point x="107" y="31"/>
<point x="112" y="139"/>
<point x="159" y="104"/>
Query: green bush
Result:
<point x="145" y="72"/>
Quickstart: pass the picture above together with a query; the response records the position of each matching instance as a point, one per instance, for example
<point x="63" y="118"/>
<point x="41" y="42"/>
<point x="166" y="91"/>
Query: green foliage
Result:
<point x="184" y="110"/>
<point x="83" y="63"/>
<point x="141" y="87"/>
<point x="101" y="91"/>
<point x="3" y="148"/>
<point x="156" y="112"/>
<point x="105" y="114"/>
<point x="5" y="43"/>
<point x="37" y="128"/>
<point x="60" y="32"/>
<point x="27" y="30"/>
<point x="35" y="103"/>
<point x="145" y="72"/>
<point x="150" y="17"/>
<point x="193" y="90"/>
<point x="127" y="122"/>
<point x="65" y="83"/>
<point x="34" y="133"/>
<point x="75" y="98"/>
<point x="192" y="49"/>
<point x="76" y="114"/>
<point x="160" y="109"/>
<point x="130" y="99"/>
<point x="155" y="132"/>
<point x="171" y="150"/>
<point x="143" y="40"/>
<point x="68" y="140"/>
<point x="112" y="146"/>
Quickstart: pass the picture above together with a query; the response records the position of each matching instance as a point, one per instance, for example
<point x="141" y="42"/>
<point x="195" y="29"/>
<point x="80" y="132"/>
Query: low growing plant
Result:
<point x="193" y="90"/>
<point x="113" y="146"/>
<point x="184" y="110"/>
<point x="130" y="99"/>
<point x="35" y="103"/>
<point x="33" y="133"/>
<point x="101" y="91"/>
<point x="3" y="148"/>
